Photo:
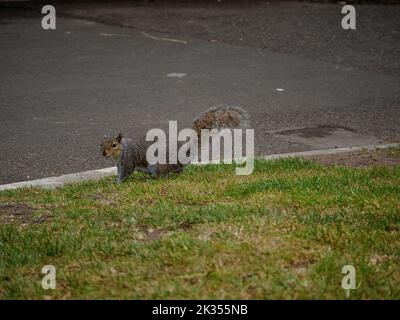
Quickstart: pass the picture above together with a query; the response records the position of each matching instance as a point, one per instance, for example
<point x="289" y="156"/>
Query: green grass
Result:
<point x="285" y="231"/>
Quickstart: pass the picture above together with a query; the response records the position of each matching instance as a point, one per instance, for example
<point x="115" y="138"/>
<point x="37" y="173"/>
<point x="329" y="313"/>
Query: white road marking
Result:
<point x="176" y="75"/>
<point x="103" y="34"/>
<point x="162" y="39"/>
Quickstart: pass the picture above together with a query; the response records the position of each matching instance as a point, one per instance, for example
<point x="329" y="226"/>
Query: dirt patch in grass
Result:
<point x="150" y="234"/>
<point x="379" y="157"/>
<point x="106" y="200"/>
<point x="19" y="213"/>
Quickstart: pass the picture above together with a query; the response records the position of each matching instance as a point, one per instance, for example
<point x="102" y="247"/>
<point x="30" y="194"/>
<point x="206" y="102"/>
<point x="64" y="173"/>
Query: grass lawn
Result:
<point x="285" y="231"/>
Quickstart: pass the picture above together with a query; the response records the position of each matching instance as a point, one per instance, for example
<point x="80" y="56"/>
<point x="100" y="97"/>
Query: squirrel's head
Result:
<point x="111" y="147"/>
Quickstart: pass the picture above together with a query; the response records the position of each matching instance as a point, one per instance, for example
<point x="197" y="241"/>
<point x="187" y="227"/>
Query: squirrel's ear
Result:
<point x="119" y="137"/>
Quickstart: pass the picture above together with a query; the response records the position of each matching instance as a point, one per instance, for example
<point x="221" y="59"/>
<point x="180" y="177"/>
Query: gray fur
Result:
<point x="133" y="154"/>
<point x="242" y="115"/>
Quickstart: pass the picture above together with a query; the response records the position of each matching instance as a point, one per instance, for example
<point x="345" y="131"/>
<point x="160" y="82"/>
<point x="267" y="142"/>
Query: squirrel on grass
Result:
<point x="130" y="154"/>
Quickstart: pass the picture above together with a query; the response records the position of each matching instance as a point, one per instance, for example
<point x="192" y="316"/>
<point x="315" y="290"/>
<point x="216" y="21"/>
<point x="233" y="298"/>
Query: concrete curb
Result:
<point x="329" y="151"/>
<point x="54" y="182"/>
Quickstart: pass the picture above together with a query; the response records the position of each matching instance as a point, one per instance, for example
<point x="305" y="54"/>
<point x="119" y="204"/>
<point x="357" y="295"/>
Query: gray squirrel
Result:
<point x="130" y="154"/>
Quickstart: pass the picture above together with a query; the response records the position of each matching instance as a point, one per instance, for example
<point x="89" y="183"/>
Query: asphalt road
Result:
<point x="62" y="90"/>
<point x="309" y="30"/>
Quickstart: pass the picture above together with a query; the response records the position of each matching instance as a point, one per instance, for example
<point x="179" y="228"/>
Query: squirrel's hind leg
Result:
<point x="153" y="170"/>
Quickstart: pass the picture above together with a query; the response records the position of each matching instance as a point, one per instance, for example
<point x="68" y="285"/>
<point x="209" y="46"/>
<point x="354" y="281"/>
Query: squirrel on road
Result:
<point x="130" y="154"/>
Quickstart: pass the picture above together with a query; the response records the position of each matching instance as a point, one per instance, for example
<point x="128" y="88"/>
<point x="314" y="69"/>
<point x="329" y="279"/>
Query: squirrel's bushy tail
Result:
<point x="231" y="117"/>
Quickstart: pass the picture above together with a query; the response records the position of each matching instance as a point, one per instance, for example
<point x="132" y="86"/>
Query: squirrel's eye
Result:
<point x="114" y="145"/>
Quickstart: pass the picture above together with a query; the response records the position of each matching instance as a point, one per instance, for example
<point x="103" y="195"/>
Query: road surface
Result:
<point x="62" y="90"/>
